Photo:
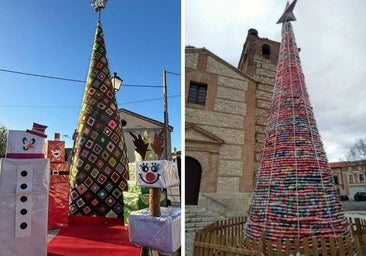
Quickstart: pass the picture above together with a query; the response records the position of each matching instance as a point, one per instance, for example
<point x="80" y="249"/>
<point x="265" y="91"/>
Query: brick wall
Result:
<point x="236" y="111"/>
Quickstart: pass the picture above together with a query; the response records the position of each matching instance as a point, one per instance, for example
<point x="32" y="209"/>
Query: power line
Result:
<point x="35" y="106"/>
<point x="173" y="73"/>
<point x="142" y="101"/>
<point x="70" y="79"/>
<point x="141" y="85"/>
<point x="39" y="106"/>
<point x="43" y="76"/>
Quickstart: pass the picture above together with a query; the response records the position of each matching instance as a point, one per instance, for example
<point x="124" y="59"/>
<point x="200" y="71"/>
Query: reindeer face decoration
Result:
<point x="56" y="151"/>
<point x="157" y="174"/>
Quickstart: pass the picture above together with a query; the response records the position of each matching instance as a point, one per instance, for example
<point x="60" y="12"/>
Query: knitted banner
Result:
<point x="99" y="167"/>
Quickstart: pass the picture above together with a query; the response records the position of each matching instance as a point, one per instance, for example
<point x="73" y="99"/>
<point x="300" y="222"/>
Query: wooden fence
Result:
<point x="225" y="238"/>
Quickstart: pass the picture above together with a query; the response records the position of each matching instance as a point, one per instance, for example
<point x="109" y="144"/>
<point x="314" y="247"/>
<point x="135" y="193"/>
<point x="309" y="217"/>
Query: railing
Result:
<point x="214" y="200"/>
<point x="225" y="238"/>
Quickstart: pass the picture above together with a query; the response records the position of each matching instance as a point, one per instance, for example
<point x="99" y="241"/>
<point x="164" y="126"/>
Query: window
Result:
<point x="361" y="177"/>
<point x="350" y="178"/>
<point x="335" y="180"/>
<point x="197" y="93"/>
<point x="266" y="50"/>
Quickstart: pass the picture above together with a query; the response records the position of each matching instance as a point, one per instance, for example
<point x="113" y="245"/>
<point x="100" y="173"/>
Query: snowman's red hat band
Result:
<point x="38" y="130"/>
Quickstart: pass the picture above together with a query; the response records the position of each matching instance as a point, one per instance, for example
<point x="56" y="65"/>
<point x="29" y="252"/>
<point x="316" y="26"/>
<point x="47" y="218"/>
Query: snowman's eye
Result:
<point x="24" y="140"/>
<point x="33" y="140"/>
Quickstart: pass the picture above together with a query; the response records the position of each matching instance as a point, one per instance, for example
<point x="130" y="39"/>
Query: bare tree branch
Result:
<point x="357" y="152"/>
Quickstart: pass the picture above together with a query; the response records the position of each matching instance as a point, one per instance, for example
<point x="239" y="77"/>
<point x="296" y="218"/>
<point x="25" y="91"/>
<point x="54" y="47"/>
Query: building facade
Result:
<point x="226" y="109"/>
<point x="349" y="177"/>
<point x="147" y="127"/>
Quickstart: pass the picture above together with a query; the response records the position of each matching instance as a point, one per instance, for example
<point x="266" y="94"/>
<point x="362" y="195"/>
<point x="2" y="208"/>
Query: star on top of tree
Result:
<point x="98" y="4"/>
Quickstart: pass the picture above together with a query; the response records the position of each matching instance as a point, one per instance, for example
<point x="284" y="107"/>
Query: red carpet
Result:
<point x="89" y="239"/>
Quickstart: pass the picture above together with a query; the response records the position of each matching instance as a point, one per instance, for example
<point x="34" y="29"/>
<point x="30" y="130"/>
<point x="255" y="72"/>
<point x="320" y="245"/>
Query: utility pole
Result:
<point x="166" y="118"/>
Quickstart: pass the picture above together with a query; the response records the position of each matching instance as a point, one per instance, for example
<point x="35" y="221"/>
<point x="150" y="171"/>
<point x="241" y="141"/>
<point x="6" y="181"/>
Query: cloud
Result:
<point x="222" y="26"/>
<point x="332" y="38"/>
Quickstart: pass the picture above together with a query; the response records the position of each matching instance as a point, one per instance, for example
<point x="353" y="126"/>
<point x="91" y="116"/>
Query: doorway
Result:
<point x="193" y="173"/>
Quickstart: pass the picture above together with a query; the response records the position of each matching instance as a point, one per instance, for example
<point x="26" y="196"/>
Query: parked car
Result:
<point x="360" y="196"/>
<point x="343" y="197"/>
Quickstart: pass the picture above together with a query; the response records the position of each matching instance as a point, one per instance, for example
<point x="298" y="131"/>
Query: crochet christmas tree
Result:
<point x="294" y="195"/>
<point x="99" y="166"/>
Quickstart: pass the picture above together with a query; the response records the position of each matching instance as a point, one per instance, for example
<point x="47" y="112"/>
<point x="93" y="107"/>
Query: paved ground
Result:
<point x="189" y="240"/>
<point x="351" y="205"/>
<point x="52" y="233"/>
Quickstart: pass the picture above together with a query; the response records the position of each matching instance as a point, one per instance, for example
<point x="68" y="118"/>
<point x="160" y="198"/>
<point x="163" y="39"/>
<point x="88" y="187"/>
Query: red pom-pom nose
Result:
<point x="150" y="176"/>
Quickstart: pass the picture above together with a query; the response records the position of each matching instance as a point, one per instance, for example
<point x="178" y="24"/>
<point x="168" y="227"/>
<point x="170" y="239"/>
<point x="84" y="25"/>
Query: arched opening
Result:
<point x="123" y="122"/>
<point x="193" y="173"/>
<point x="266" y="50"/>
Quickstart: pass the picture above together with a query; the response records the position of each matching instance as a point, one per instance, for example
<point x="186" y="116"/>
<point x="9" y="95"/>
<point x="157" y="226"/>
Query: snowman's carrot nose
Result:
<point x="29" y="146"/>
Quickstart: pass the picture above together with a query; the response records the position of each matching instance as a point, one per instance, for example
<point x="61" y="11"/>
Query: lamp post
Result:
<point x="116" y="82"/>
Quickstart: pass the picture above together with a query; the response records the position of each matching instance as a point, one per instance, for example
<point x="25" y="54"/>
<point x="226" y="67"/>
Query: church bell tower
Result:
<point x="259" y="60"/>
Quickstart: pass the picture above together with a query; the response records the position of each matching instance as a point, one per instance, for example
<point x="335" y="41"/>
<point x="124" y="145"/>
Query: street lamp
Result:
<point x="116" y="82"/>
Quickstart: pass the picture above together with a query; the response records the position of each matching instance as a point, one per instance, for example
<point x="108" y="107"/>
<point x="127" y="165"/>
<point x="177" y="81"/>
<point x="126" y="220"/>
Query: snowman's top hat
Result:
<point x="38" y="130"/>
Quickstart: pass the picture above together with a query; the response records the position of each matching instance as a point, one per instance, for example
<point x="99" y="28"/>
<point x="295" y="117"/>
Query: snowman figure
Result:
<point x="24" y="183"/>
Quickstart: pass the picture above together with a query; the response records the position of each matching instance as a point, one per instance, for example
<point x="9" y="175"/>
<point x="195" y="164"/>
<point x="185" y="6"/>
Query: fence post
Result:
<point x="262" y="244"/>
<point x="359" y="230"/>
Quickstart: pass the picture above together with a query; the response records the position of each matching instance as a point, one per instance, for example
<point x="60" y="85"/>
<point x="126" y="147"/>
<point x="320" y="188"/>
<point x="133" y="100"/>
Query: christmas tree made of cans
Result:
<point x="294" y="196"/>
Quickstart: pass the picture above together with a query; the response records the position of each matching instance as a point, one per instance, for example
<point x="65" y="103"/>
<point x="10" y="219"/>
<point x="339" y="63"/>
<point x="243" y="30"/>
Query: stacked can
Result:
<point x="294" y="196"/>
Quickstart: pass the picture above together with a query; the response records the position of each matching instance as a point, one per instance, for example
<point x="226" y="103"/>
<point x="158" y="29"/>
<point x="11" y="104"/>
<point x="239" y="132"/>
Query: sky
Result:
<point x="55" y="38"/>
<point x="332" y="38"/>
